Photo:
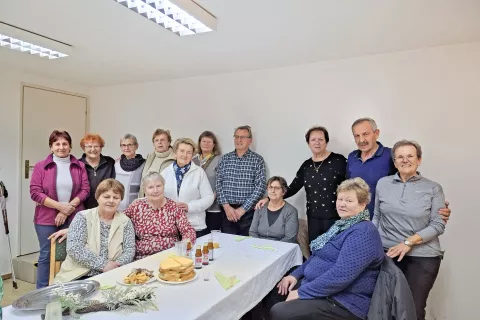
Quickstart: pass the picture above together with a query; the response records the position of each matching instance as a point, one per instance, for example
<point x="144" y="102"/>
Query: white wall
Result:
<point x="10" y="138"/>
<point x="431" y="95"/>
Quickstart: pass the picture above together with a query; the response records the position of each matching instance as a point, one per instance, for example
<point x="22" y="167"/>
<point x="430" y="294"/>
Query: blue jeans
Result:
<point x="43" y="269"/>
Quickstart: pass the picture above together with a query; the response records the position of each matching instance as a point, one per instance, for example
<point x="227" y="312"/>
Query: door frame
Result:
<point x="24" y="85"/>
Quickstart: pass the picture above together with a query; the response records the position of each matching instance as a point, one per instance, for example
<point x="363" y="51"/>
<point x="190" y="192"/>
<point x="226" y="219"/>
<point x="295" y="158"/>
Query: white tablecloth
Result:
<point x="258" y="271"/>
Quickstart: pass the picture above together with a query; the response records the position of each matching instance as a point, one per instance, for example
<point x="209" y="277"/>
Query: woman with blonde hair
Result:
<point x="188" y="185"/>
<point x="208" y="158"/>
<point x="98" y="166"/>
<point x="338" y="279"/>
<point x="161" y="157"/>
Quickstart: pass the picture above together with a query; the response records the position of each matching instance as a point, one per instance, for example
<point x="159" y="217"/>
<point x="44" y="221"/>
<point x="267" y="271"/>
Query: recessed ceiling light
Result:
<point x="23" y="46"/>
<point x="182" y="17"/>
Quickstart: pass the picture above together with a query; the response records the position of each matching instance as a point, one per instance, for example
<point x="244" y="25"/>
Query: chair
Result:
<point x="392" y="298"/>
<point x="58" y="254"/>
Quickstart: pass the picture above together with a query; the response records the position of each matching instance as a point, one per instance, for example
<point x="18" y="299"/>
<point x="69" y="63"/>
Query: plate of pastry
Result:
<point x="138" y="277"/>
<point x="176" y="270"/>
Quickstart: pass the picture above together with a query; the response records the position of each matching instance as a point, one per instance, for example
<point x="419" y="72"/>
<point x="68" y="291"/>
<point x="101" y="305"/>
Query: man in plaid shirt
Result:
<point x="240" y="184"/>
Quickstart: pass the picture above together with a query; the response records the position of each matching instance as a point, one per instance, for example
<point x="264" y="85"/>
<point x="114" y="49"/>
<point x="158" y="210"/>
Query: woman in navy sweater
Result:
<point x="337" y="281"/>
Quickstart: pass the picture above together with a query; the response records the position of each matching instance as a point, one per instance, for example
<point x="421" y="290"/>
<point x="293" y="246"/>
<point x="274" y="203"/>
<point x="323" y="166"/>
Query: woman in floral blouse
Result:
<point x="157" y="220"/>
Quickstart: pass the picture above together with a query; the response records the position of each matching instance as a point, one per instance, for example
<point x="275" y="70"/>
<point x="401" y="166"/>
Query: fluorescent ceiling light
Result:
<point x="182" y="17"/>
<point x="23" y="46"/>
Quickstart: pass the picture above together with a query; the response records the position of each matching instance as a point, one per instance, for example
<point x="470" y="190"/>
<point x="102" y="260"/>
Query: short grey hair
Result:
<point x="372" y="122"/>
<point x="152" y="176"/>
<point x="131" y="137"/>
<point x="403" y="143"/>
<point x="360" y="187"/>
<point x="186" y="141"/>
<point x="247" y="128"/>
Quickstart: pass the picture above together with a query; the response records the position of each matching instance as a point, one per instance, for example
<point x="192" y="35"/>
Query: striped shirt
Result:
<point x="241" y="180"/>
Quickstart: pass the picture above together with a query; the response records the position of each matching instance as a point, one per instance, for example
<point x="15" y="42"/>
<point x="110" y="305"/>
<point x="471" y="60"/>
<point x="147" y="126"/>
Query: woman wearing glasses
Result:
<point x="406" y="215"/>
<point x="278" y="220"/>
<point x="99" y="167"/>
<point x="128" y="169"/>
<point x="319" y="175"/>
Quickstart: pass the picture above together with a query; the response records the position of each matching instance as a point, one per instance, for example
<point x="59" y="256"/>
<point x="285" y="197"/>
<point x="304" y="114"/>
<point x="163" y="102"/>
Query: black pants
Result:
<point x="201" y="233"/>
<point x="214" y="220"/>
<point x="276" y="308"/>
<point x="241" y="227"/>
<point x="317" y="227"/>
<point x="421" y="273"/>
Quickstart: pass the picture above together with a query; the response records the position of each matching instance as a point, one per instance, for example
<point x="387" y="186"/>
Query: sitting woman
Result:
<point x="157" y="220"/>
<point x="99" y="239"/>
<point x="338" y="279"/>
<point x="406" y="214"/>
<point x="188" y="185"/>
<point x="278" y="220"/>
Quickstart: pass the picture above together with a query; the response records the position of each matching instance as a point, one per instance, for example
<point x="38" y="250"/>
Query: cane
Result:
<point x="3" y="206"/>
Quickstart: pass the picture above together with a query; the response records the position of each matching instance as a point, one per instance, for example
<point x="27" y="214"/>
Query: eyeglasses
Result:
<point x="274" y="188"/>
<point x="241" y="137"/>
<point x="92" y="147"/>
<point x="126" y="145"/>
<point x="410" y="157"/>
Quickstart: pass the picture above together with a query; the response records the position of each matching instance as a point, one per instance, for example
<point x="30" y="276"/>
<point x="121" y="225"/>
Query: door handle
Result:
<point x="27" y="169"/>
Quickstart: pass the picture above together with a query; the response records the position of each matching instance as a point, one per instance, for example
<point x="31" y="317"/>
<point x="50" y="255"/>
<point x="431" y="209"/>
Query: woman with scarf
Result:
<point x="188" y="185"/>
<point x="161" y="157"/>
<point x="338" y="279"/>
<point x="129" y="169"/>
<point x="208" y="158"/>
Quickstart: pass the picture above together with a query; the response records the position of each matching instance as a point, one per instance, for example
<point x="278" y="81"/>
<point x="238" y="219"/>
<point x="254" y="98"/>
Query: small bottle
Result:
<point x="198" y="257"/>
<point x="210" y="249"/>
<point x="188" y="252"/>
<point x="205" y="254"/>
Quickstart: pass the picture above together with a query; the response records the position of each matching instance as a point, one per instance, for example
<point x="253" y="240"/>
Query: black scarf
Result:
<point x="131" y="164"/>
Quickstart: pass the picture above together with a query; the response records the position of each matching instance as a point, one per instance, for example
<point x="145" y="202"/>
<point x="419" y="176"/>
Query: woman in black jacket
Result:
<point x="99" y="167"/>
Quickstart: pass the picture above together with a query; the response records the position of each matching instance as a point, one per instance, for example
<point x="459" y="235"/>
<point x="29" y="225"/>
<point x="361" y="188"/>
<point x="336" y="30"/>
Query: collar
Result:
<point x="378" y="153"/>
<point x="245" y="154"/>
<point x="418" y="177"/>
<point x="84" y="160"/>
<point x="50" y="161"/>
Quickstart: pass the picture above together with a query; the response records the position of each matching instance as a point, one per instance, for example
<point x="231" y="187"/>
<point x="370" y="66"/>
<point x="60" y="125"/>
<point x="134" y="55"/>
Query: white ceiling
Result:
<point x="113" y="45"/>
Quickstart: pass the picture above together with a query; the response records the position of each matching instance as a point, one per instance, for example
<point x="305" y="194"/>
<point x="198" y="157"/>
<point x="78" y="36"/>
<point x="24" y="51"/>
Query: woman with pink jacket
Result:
<point x="59" y="186"/>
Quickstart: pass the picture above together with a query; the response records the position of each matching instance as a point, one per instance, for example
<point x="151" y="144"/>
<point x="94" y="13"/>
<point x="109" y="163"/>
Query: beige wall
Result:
<point x="10" y="138"/>
<point x="430" y="95"/>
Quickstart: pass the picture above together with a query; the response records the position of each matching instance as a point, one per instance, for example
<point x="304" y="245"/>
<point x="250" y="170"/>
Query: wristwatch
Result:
<point x="408" y="243"/>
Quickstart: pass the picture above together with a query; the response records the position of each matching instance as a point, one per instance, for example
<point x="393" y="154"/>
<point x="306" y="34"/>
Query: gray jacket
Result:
<point x="211" y="172"/>
<point x="392" y="298"/>
<point x="285" y="228"/>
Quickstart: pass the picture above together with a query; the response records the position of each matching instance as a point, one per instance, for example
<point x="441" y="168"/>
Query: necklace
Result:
<point x="315" y="168"/>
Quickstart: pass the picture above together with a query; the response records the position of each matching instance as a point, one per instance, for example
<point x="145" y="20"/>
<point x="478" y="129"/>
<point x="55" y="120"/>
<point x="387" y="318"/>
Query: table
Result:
<point x="258" y="271"/>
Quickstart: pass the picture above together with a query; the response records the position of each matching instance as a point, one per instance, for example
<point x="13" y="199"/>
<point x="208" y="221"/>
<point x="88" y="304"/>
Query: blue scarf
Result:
<point x="339" y="226"/>
<point x="179" y="173"/>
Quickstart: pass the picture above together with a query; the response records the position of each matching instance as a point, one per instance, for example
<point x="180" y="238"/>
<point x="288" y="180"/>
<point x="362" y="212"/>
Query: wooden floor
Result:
<point x="11" y="294"/>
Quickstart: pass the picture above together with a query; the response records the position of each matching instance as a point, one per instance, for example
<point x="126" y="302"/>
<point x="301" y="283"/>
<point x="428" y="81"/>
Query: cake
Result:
<point x="176" y="269"/>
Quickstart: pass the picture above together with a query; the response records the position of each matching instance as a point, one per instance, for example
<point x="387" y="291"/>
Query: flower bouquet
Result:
<point x="125" y="299"/>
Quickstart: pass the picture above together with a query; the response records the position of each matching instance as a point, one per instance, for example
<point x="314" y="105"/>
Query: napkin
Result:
<point x="269" y="248"/>
<point x="240" y="238"/>
<point x="226" y="282"/>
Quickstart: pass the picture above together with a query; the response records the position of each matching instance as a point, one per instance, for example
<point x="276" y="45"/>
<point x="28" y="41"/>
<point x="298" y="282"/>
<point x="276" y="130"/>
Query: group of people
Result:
<point x="125" y="209"/>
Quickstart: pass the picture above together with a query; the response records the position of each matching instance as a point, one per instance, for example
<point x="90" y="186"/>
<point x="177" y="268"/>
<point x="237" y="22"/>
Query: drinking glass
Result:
<point x="215" y="235"/>
<point x="180" y="248"/>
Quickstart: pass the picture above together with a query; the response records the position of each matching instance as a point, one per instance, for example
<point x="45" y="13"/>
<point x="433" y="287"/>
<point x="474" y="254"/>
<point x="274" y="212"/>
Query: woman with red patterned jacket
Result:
<point x="157" y="220"/>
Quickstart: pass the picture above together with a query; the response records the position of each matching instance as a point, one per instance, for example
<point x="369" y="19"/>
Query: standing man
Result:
<point x="372" y="161"/>
<point x="240" y="184"/>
